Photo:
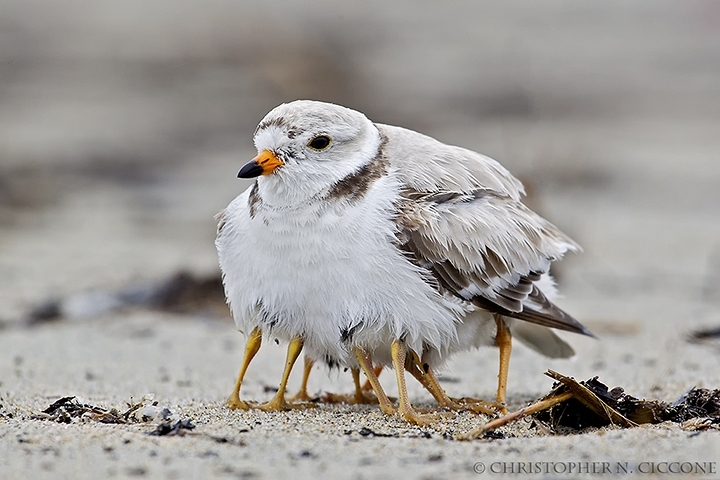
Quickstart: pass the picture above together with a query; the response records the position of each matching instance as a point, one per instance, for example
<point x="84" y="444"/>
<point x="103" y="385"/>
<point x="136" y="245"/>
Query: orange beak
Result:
<point x="264" y="164"/>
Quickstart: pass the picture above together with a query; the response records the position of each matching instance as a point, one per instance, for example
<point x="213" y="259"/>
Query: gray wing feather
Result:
<point x="461" y="218"/>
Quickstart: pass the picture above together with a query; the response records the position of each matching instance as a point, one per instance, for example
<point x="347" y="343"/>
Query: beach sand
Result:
<point x="122" y="129"/>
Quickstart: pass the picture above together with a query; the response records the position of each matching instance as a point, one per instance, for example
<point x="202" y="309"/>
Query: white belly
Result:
<point x="330" y="274"/>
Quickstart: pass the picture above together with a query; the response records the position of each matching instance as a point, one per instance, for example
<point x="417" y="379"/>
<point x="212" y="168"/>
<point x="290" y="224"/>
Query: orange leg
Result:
<point x="503" y="339"/>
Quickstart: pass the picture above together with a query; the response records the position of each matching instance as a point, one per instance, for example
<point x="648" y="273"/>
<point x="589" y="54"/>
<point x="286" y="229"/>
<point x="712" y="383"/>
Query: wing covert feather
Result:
<point x="461" y="218"/>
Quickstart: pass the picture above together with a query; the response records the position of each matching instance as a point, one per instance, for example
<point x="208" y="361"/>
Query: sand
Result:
<point x="121" y="131"/>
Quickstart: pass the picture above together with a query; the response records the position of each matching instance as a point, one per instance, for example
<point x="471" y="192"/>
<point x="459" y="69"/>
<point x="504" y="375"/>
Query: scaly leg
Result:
<point x="366" y="386"/>
<point x="278" y="402"/>
<point x="251" y="348"/>
<point x="427" y="379"/>
<point x="408" y="412"/>
<point x="356" y="398"/>
<point x="415" y="368"/>
<point x="366" y="365"/>
<point x="359" y="395"/>
<point x="503" y="339"/>
<point x="302" y="395"/>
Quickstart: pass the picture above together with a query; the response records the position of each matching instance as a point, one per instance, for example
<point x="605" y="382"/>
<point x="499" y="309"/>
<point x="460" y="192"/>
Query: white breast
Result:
<point x="326" y="267"/>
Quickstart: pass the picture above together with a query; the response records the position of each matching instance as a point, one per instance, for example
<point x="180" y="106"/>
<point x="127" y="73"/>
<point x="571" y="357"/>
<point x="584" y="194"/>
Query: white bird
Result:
<point x="367" y="243"/>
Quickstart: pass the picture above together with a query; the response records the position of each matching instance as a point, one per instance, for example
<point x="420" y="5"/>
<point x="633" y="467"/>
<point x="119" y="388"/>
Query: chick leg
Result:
<point x="302" y="395"/>
<point x="366" y="365"/>
<point x="417" y="370"/>
<point x="399" y="355"/>
<point x="359" y="397"/>
<point x="424" y="374"/>
<point x="251" y="348"/>
<point x="366" y="386"/>
<point x="278" y="402"/>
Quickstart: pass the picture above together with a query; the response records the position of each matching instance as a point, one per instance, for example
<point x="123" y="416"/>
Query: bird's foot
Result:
<point x="278" y="404"/>
<point x="421" y="419"/>
<point x="234" y="403"/>
<point x="301" y="396"/>
<point x="350" y="399"/>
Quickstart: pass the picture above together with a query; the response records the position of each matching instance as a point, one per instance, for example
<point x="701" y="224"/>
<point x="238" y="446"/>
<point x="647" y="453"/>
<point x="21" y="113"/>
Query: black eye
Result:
<point x="321" y="142"/>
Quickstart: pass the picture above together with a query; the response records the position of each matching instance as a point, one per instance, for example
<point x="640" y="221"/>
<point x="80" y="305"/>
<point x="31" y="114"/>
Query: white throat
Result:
<point x="301" y="182"/>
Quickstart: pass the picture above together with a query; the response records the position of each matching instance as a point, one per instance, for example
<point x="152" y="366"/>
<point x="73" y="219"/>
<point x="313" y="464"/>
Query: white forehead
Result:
<point x="306" y="117"/>
<point x="269" y="138"/>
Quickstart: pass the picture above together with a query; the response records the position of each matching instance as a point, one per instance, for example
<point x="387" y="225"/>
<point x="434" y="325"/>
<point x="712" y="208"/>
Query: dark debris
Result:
<point x="179" y="428"/>
<point x="69" y="409"/>
<point x="186" y="293"/>
<point x="494" y="435"/>
<point x="182" y="293"/>
<point x="45" y="312"/>
<point x="226" y="440"/>
<point x="66" y="409"/>
<point x="704" y="334"/>
<point x="366" y="432"/>
<point x="696" y="403"/>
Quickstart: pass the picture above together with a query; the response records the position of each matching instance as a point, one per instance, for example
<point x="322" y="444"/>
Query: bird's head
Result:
<point x="306" y="146"/>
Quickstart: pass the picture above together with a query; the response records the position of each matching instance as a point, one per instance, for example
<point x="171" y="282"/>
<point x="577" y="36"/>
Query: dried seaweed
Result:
<point x="66" y="409"/>
<point x="575" y="406"/>
<point x="591" y="405"/>
<point x="71" y="409"/>
<point x="693" y="404"/>
<point x="696" y="409"/>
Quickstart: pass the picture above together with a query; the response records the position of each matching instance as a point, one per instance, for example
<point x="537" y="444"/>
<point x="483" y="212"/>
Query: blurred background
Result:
<point x="123" y="125"/>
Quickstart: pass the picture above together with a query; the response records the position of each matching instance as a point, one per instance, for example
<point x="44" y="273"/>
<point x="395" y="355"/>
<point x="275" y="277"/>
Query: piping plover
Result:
<point x="368" y="243"/>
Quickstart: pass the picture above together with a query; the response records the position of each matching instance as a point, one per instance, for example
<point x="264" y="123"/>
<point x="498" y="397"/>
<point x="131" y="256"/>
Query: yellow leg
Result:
<point x="359" y="397"/>
<point x="251" y="348"/>
<point x="428" y="380"/>
<point x="408" y="412"/>
<point x="302" y="395"/>
<point x="415" y="368"/>
<point x="278" y="402"/>
<point x="445" y="401"/>
<point x="366" y="365"/>
<point x="366" y="386"/>
<point x="503" y="339"/>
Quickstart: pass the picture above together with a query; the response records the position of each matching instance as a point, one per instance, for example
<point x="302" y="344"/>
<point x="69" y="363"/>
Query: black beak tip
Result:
<point x="250" y="170"/>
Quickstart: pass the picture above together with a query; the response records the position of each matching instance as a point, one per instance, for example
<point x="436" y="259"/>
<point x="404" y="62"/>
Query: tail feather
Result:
<point x="541" y="339"/>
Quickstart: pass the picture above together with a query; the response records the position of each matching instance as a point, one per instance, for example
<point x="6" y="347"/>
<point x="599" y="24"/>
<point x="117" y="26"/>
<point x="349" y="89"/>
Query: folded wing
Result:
<point x="462" y="220"/>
